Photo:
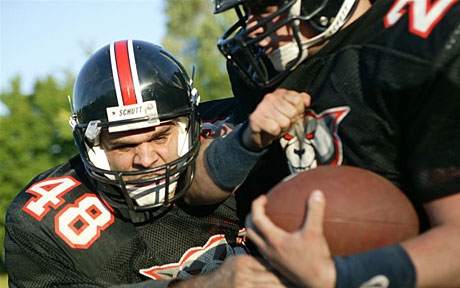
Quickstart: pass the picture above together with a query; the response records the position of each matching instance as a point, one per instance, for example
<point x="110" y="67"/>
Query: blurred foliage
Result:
<point x="35" y="134"/>
<point x="193" y="31"/>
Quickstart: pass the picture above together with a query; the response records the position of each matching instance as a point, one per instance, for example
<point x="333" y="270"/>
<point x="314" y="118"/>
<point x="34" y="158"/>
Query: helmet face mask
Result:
<point x="130" y="86"/>
<point x="241" y="46"/>
<point x="243" y="51"/>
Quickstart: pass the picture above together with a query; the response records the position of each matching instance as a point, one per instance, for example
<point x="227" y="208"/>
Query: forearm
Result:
<point x="428" y="260"/>
<point x="434" y="253"/>
<point x="435" y="256"/>
<point x="203" y="190"/>
<point x="222" y="164"/>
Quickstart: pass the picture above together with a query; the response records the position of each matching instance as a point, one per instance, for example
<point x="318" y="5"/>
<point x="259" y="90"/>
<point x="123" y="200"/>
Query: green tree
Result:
<point x="35" y="136"/>
<point x="192" y="34"/>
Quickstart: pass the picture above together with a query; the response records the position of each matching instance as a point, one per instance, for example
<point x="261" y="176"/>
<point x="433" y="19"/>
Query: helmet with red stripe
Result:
<point x="129" y="85"/>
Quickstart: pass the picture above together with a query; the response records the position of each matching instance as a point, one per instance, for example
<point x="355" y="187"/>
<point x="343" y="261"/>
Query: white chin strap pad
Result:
<point x="97" y="156"/>
<point x="282" y="56"/>
<point x="183" y="138"/>
<point x="149" y="195"/>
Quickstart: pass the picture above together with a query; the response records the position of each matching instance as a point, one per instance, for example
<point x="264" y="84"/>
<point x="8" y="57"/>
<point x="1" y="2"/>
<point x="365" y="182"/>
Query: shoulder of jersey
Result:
<point x="216" y="109"/>
<point x="415" y="28"/>
<point x="50" y="189"/>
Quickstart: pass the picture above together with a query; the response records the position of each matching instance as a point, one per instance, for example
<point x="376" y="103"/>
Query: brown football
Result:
<point x="363" y="210"/>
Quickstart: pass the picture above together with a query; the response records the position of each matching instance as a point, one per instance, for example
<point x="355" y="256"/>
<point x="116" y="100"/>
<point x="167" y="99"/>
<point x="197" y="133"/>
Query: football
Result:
<point x="363" y="210"/>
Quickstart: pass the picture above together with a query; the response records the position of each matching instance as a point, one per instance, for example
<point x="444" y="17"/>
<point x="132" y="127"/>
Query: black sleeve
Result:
<point x="433" y="138"/>
<point x="32" y="262"/>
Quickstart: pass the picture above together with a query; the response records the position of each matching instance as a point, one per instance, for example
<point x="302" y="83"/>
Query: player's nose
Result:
<point x="146" y="155"/>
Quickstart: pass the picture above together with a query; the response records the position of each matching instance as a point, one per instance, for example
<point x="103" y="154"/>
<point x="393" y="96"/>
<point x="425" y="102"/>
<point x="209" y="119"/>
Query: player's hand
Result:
<point x="237" y="271"/>
<point x="274" y="116"/>
<point x="302" y="256"/>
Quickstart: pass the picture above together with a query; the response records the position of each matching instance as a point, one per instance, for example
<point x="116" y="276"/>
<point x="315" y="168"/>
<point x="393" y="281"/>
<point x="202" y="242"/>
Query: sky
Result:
<point x="39" y="38"/>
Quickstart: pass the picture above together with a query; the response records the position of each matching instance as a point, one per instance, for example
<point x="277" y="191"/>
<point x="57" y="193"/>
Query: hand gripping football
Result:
<point x="363" y="210"/>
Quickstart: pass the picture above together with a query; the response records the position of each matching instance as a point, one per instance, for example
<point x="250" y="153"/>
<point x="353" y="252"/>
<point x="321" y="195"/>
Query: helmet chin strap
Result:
<point x="152" y="194"/>
<point x="183" y="136"/>
<point x="282" y="56"/>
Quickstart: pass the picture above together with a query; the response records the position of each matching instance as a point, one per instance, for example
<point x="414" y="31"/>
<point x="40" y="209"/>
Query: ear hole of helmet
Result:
<point x="321" y="14"/>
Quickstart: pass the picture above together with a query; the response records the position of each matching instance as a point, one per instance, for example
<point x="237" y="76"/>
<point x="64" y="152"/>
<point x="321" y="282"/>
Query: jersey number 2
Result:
<point x="78" y="224"/>
<point x="423" y="14"/>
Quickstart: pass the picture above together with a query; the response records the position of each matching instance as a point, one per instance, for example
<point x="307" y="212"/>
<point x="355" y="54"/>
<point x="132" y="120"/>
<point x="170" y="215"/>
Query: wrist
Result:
<point x="325" y="276"/>
<point x="247" y="141"/>
<point x="384" y="267"/>
<point x="228" y="161"/>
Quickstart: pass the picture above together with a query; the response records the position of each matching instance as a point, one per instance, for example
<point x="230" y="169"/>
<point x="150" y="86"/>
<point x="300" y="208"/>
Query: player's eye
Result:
<point x="262" y="8"/>
<point x="123" y="148"/>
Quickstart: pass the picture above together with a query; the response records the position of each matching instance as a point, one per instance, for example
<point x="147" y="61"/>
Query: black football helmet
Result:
<point x="324" y="16"/>
<point x="129" y="85"/>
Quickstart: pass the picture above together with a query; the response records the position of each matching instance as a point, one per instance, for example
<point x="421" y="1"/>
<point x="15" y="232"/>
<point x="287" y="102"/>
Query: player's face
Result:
<point x="141" y="149"/>
<point x="263" y="9"/>
<point x="280" y="37"/>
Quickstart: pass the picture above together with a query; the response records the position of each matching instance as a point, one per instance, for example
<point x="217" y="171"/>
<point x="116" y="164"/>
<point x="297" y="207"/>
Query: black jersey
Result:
<point x="385" y="97"/>
<point x="59" y="233"/>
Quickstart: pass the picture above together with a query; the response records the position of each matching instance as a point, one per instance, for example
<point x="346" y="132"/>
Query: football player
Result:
<point x="114" y="214"/>
<point x="384" y="84"/>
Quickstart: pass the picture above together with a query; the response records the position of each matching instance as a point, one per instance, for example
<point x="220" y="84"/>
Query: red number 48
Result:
<point x="78" y="224"/>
